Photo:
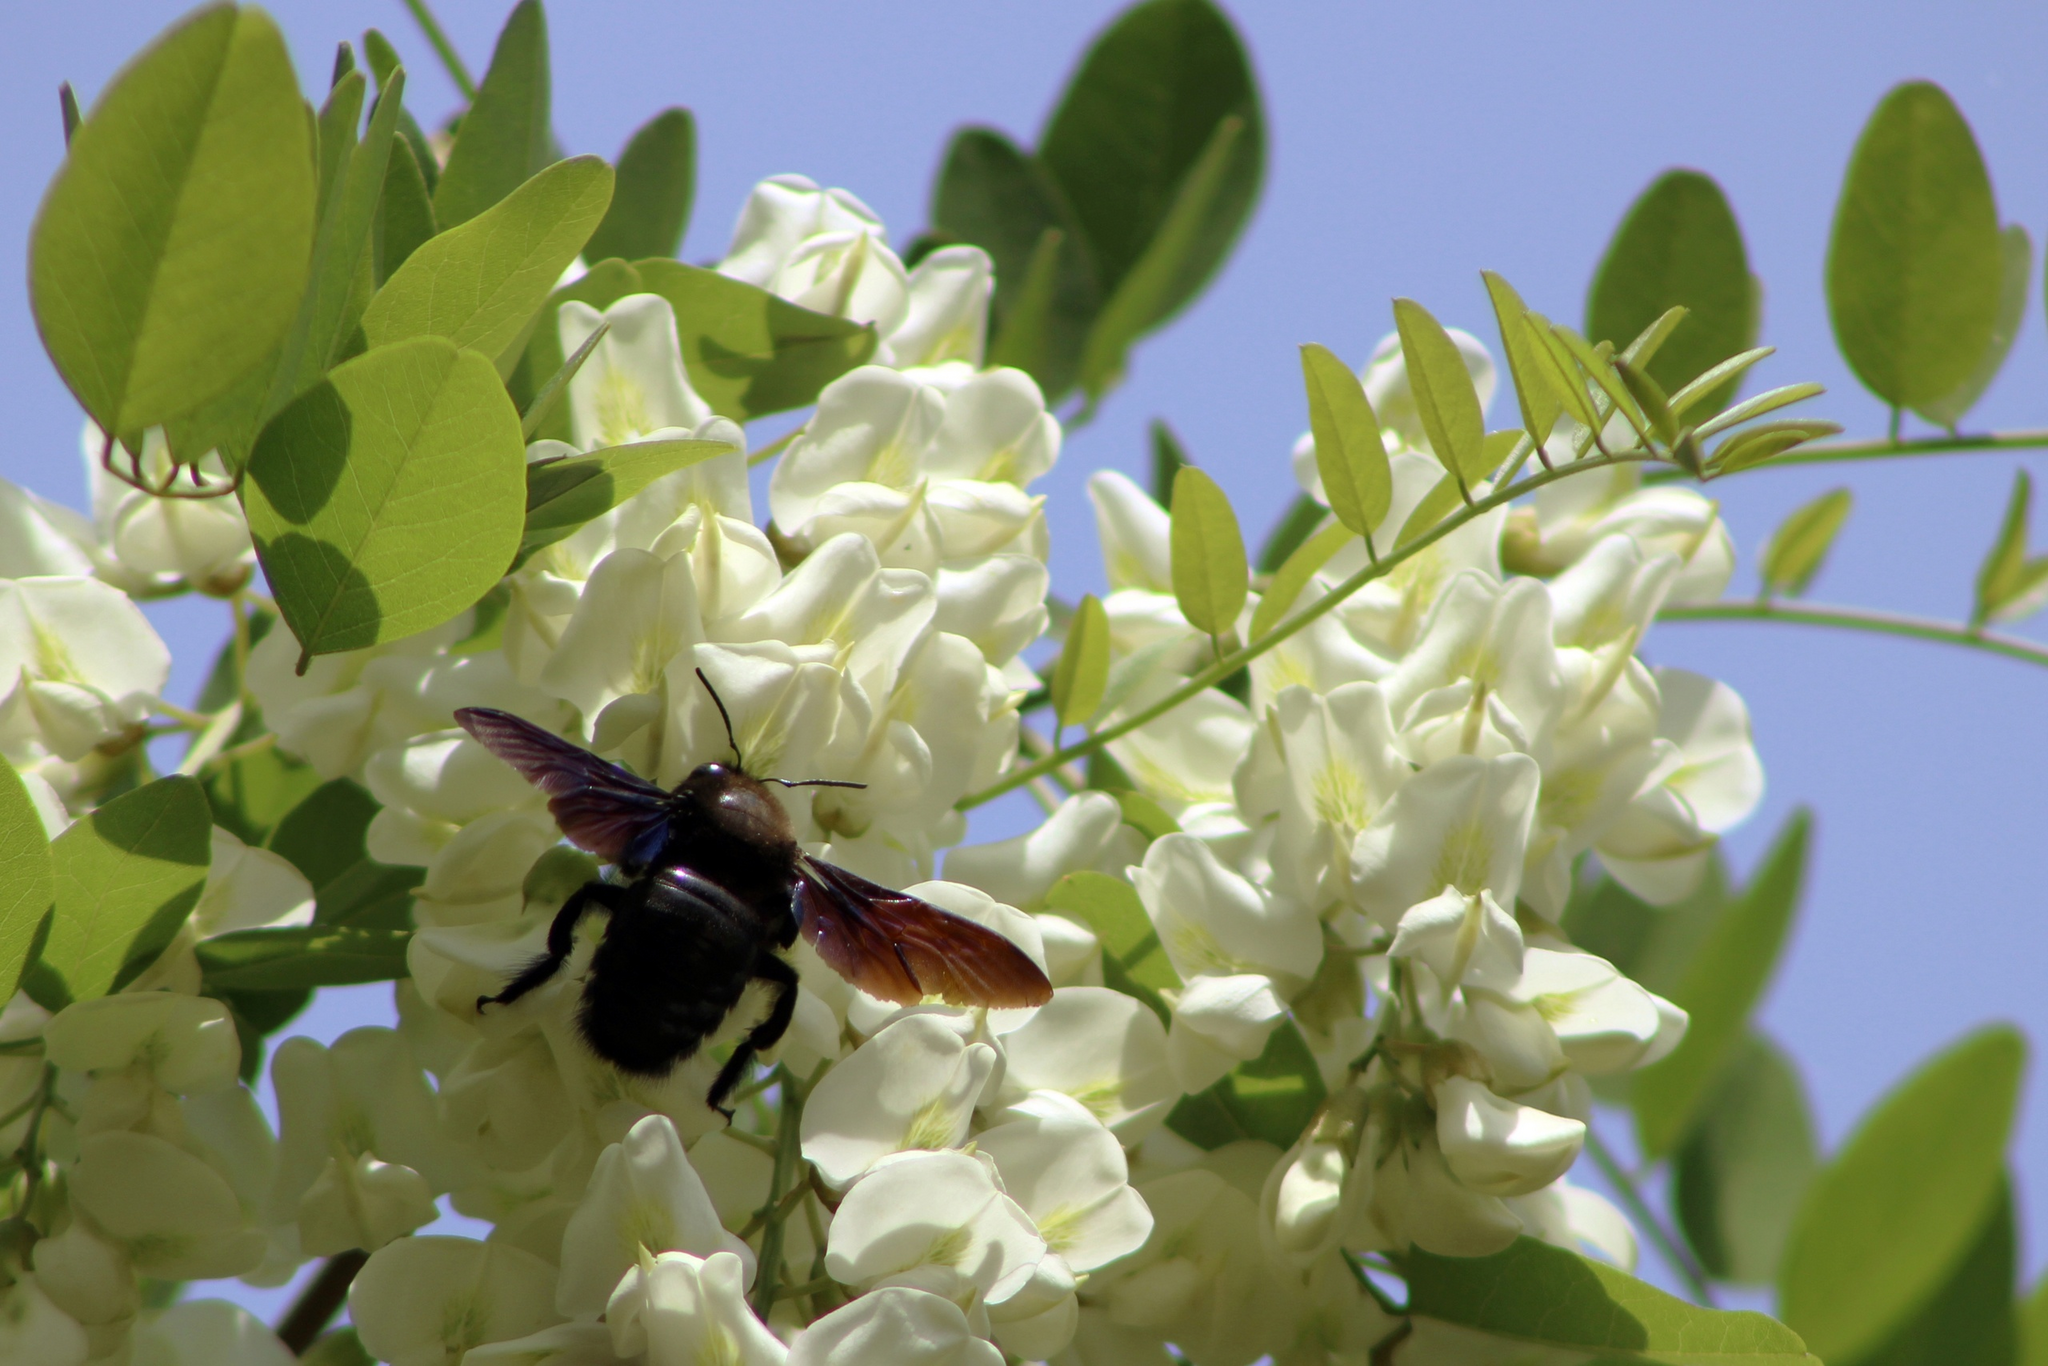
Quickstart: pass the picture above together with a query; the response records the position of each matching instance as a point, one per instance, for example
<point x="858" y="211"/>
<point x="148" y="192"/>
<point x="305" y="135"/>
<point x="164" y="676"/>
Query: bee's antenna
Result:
<point x="815" y="782"/>
<point x="718" y="702"/>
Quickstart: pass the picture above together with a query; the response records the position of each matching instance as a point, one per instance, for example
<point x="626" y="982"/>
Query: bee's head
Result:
<point x="737" y="805"/>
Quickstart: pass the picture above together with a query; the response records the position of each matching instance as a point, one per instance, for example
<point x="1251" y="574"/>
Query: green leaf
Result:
<point x="1134" y="124"/>
<point x="1294" y="575"/>
<point x="301" y="956"/>
<point x="2009" y="585"/>
<point x="27" y="877"/>
<point x="405" y="212"/>
<point x="1210" y="574"/>
<point x="252" y="792"/>
<point x="1303" y="518"/>
<point x="1169" y="458"/>
<point x="534" y="415"/>
<point x="1558" y="372"/>
<point x="324" y="837"/>
<point x="1649" y="399"/>
<point x="1434" y="507"/>
<point x="389" y="497"/>
<point x="1678" y="246"/>
<point x="1543" y="1295"/>
<point x="1738" y="1178"/>
<point x="1534" y="393"/>
<point x="603" y="285"/>
<point x="1350" y="454"/>
<point x="1652" y="944"/>
<point x="1719" y="989"/>
<point x="383" y="61"/>
<point x="1445" y="400"/>
<point x="480" y="283"/>
<point x="1914" y="262"/>
<point x="339" y="1348"/>
<point x="1698" y="389"/>
<point x="505" y="138"/>
<point x="1273" y="1097"/>
<point x="2033" y="1317"/>
<point x="992" y="193"/>
<point x="1144" y="815"/>
<point x="1801" y="543"/>
<point x="1172" y="269"/>
<point x="1884" y="1223"/>
<point x="748" y="352"/>
<point x="1971" y="1319"/>
<point x="2016" y="257"/>
<point x="170" y="252"/>
<point x="561" y="495"/>
<point x="1752" y="446"/>
<point x="1596" y="365"/>
<point x="657" y="179"/>
<point x="127" y="876"/>
<point x="1110" y="907"/>
<point x="1082" y="673"/>
<point x="1769" y="401"/>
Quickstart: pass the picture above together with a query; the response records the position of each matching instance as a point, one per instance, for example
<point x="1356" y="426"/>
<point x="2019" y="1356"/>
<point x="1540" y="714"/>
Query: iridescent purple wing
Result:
<point x="601" y="807"/>
<point x="901" y="949"/>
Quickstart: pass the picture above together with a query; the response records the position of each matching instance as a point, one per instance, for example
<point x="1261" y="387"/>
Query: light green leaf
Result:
<point x="1535" y="394"/>
<point x="1649" y="399"/>
<point x="1294" y="575"/>
<point x="1210" y="574"/>
<point x="389" y="497"/>
<point x="748" y="352"/>
<point x="1171" y="270"/>
<point x="505" y="138"/>
<point x="27" y="877"/>
<point x="561" y="495"/>
<point x="405" y="212"/>
<point x="556" y="387"/>
<point x="1303" y="518"/>
<point x="1595" y="363"/>
<point x="1434" y="507"/>
<point x="1769" y="401"/>
<point x="2033" y="1317"/>
<point x="1541" y="1295"/>
<point x="1169" y="458"/>
<point x="1767" y="441"/>
<point x="1272" y="1098"/>
<point x="2010" y="585"/>
<point x="1144" y="815"/>
<point x="1135" y="122"/>
<point x="1679" y="245"/>
<point x="1697" y="390"/>
<point x="1082" y="673"/>
<point x="1554" y="365"/>
<point x="992" y="193"/>
<point x="479" y="284"/>
<point x="1719" y="989"/>
<point x="657" y="181"/>
<point x="127" y="876"/>
<point x="1885" y="1222"/>
<point x="1654" y="945"/>
<point x="300" y="956"/>
<point x="1801" y="543"/>
<point x="1110" y="907"/>
<point x="1350" y="454"/>
<point x="1445" y="400"/>
<point x="170" y="252"/>
<point x="1971" y="1319"/>
<point x="1914" y="263"/>
<point x="2016" y="256"/>
<point x="1738" y="1178"/>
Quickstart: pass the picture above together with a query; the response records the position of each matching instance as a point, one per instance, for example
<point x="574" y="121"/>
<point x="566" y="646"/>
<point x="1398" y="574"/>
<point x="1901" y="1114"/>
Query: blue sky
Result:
<point x="1413" y="145"/>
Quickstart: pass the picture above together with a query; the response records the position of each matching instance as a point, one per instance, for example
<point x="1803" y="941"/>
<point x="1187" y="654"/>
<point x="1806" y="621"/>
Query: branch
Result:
<point x="1884" y="448"/>
<point x="1863" y="619"/>
<point x="1668" y="1247"/>
<point x="319" y="1301"/>
<point x="782" y="1185"/>
<point x="1240" y="658"/>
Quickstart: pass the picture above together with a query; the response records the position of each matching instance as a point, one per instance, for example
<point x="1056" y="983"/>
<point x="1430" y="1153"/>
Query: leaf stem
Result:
<point x="1668" y="1247"/>
<point x="1241" y="657"/>
<point x="773" y="448"/>
<point x="1885" y="448"/>
<point x="781" y="1181"/>
<point x="445" y="50"/>
<point x="1863" y="619"/>
<point x="29" y="1154"/>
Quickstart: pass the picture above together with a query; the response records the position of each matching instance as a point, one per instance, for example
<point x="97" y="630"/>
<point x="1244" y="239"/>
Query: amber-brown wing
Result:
<point x="901" y="949"/>
<point x="615" y="815"/>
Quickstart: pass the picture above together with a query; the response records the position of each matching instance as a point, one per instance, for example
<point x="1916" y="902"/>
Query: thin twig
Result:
<point x="1668" y="1247"/>
<point x="445" y="50"/>
<point x="1884" y="448"/>
<point x="782" y="1183"/>
<point x="1863" y="619"/>
<point x="320" y="1300"/>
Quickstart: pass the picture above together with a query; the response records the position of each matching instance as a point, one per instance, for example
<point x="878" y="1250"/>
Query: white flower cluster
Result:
<point x="1373" y="854"/>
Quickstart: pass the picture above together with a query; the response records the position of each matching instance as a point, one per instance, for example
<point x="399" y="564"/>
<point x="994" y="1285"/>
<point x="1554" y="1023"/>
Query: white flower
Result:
<point x="913" y="1085"/>
<point x="146" y="542"/>
<point x="171" y="1212"/>
<point x="90" y="1279"/>
<point x="1102" y="1048"/>
<point x="683" y="1310"/>
<point x="1338" y="766"/>
<point x="822" y="249"/>
<point x="426" y="1301"/>
<point x="362" y="1204"/>
<point x="34" y="1330"/>
<point x="79" y="667"/>
<point x="1460" y="824"/>
<point x="1497" y="1147"/>
<point x="209" y="1333"/>
<point x="899" y="1326"/>
<point x="184" y="1044"/>
<point x="936" y="1221"/>
<point x="1069" y="1174"/>
<point x="247" y="888"/>
<point x="633" y="384"/>
<point x="948" y="314"/>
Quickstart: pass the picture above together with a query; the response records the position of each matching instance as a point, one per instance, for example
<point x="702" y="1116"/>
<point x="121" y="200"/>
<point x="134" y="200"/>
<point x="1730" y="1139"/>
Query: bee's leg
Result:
<point x="561" y="941"/>
<point x="767" y="968"/>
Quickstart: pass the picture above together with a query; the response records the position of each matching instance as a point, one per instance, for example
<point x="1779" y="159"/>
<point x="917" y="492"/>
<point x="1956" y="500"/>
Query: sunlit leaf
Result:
<point x="561" y="495"/>
<point x="1434" y="507"/>
<point x="1294" y="575"/>
<point x="1800" y="544"/>
<point x="1211" y="577"/>
<point x="1698" y="389"/>
<point x="1271" y="1098"/>
<point x="2009" y="584"/>
<point x="1766" y="441"/>
<point x="1109" y="906"/>
<point x="1351" y="456"/>
<point x="657" y="180"/>
<point x="1081" y="675"/>
<point x="1535" y="395"/>
<point x="1445" y="400"/>
<point x="1769" y="401"/>
<point x="27" y="876"/>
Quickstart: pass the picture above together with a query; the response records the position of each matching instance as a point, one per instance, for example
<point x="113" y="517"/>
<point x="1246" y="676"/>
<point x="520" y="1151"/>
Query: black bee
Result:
<point x="713" y="882"/>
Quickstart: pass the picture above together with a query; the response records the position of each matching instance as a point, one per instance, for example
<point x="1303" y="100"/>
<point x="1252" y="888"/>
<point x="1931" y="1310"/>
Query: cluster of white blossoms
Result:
<point x="1372" y="853"/>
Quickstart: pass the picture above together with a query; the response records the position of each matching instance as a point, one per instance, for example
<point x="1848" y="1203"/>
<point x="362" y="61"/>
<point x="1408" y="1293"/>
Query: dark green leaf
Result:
<point x="1885" y="1222"/>
<point x="505" y="138"/>
<point x="1534" y="394"/>
<point x="1445" y="400"/>
<point x="383" y="61"/>
<point x="1210" y="575"/>
<point x="1679" y="245"/>
<point x="480" y="283"/>
<point x="1652" y="944"/>
<point x="748" y="352"/>
<point x="561" y="495"/>
<point x="302" y="956"/>
<point x="1273" y="1097"/>
<point x="252" y="792"/>
<point x="1752" y="446"/>
<point x="1082" y="673"/>
<point x="657" y="180"/>
<point x="170" y="252"/>
<point x="1138" y="116"/>
<point x="1541" y="1295"/>
<point x="127" y="876"/>
<point x="1971" y="1319"/>
<point x="1719" y="989"/>
<point x="405" y="214"/>
<point x="1650" y="399"/>
<point x="1914" y="263"/>
<point x="1801" y="543"/>
<point x="2033" y="1317"/>
<point x="389" y="497"/>
<point x="2016" y="256"/>
<point x="339" y="1348"/>
<point x="27" y="877"/>
<point x="324" y="837"/>
<point x="1169" y="458"/>
<point x="1351" y="456"/>
<point x="1739" y="1176"/>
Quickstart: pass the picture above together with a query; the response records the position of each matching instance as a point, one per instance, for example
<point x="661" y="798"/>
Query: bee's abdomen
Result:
<point x="665" y="977"/>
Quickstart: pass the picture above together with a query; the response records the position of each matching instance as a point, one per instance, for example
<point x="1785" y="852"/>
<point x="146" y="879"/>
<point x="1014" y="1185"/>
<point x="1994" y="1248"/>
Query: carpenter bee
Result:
<point x="711" y="883"/>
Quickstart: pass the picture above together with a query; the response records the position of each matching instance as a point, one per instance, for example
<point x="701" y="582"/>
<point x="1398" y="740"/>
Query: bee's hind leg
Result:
<point x="561" y="941"/>
<point x="767" y="968"/>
